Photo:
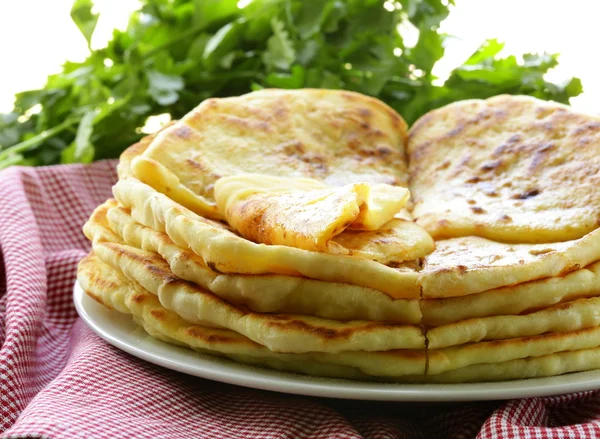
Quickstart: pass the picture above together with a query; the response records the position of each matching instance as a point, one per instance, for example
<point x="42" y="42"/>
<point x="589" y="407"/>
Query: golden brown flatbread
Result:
<point x="470" y="265"/>
<point x="498" y="351"/>
<point x="112" y="289"/>
<point x="224" y="251"/>
<point x="356" y="219"/>
<point x="261" y="293"/>
<point x="336" y="137"/>
<point x="509" y="168"/>
<point x="278" y="332"/>
<point x="564" y="317"/>
<point x="515" y="299"/>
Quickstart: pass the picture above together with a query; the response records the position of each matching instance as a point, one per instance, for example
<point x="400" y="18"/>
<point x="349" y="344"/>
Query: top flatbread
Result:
<point x="509" y="168"/>
<point x="354" y="206"/>
<point x="337" y="137"/>
<point x="307" y="214"/>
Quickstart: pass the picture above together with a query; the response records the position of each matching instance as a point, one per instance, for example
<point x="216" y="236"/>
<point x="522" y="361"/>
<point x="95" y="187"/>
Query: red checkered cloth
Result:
<point x="59" y="380"/>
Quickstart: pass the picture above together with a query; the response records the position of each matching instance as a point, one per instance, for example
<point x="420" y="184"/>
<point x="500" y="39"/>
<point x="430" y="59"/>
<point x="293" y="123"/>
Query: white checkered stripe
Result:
<point x="59" y="380"/>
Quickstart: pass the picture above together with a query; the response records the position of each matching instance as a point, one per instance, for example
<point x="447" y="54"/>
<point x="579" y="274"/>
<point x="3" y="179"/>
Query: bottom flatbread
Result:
<point x="532" y="367"/>
<point x="498" y="351"/>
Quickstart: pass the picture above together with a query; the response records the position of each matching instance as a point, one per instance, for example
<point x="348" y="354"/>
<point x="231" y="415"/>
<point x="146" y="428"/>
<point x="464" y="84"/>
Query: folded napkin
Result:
<point x="59" y="380"/>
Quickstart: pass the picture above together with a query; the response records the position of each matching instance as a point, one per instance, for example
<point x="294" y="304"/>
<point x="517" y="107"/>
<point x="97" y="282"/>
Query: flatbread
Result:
<point x="372" y="205"/>
<point x="127" y="156"/>
<point x="303" y="219"/>
<point x="470" y="265"/>
<point x="261" y="293"/>
<point x="516" y="299"/>
<point x="224" y="251"/>
<point x="112" y="289"/>
<point x="498" y="351"/>
<point x="532" y="367"/>
<point x="565" y="317"/>
<point x="327" y="219"/>
<point x="398" y="241"/>
<point x="337" y="137"/>
<point x="509" y="168"/>
<point x="278" y="332"/>
<point x="115" y="291"/>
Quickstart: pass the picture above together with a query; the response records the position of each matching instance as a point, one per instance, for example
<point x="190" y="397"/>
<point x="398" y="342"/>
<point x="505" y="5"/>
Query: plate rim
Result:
<point x="231" y="372"/>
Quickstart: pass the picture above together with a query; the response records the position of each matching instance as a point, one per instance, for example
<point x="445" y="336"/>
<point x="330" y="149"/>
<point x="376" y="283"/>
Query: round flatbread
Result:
<point x="509" y="168"/>
<point x="336" y="137"/>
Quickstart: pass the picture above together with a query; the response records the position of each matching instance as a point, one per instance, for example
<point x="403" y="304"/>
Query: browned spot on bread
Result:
<point x="505" y="218"/>
<point x="183" y="131"/>
<point x="100" y="282"/>
<point x="284" y="322"/>
<point x="477" y="209"/>
<point x="383" y="151"/>
<point x="365" y="112"/>
<point x="195" y="164"/>
<point x="490" y="166"/>
<point x="138" y="297"/>
<point x="514" y="138"/>
<point x="445" y="165"/>
<point x="294" y="148"/>
<point x="211" y="336"/>
<point x="504" y="147"/>
<point x="158" y="314"/>
<point x="591" y="126"/>
<point x="570" y="269"/>
<point x="539" y="156"/>
<point x="542" y="251"/>
<point x="212" y="266"/>
<point x="151" y="262"/>
<point x="525" y="195"/>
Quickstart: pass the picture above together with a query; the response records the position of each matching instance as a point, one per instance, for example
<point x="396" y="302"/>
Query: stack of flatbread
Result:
<point x="307" y="231"/>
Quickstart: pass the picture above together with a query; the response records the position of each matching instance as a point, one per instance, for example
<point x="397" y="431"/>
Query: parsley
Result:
<point x="176" y="53"/>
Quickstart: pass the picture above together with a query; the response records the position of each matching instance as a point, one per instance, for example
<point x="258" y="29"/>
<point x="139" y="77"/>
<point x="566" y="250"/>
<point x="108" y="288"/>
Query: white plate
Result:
<point x="119" y="330"/>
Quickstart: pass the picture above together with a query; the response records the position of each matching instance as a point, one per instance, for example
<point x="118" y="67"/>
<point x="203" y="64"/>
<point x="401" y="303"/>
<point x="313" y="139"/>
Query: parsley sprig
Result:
<point x="176" y="53"/>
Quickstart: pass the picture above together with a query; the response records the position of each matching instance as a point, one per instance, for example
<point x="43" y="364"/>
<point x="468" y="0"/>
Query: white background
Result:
<point x="36" y="36"/>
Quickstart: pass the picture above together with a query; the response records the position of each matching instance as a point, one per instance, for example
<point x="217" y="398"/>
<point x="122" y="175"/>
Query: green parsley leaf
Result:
<point x="280" y="52"/>
<point x="84" y="18"/>
<point x="176" y="53"/>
